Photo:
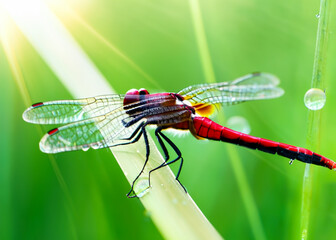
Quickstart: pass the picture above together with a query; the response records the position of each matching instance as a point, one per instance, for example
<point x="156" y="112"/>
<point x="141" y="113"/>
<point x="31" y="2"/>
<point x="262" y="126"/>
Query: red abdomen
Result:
<point x="206" y="128"/>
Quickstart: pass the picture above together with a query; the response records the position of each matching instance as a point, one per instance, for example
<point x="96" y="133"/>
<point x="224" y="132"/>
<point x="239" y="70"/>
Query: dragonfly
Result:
<point x="114" y="120"/>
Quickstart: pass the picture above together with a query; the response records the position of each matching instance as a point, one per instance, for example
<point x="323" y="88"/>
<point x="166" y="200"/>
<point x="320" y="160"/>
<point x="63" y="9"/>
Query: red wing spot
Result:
<point x="39" y="104"/>
<point x="53" y="131"/>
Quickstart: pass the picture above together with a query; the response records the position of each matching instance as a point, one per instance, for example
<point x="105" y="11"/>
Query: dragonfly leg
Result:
<point x="162" y="145"/>
<point x="160" y="135"/>
<point x="144" y="133"/>
<point x="135" y="132"/>
<point x="133" y="121"/>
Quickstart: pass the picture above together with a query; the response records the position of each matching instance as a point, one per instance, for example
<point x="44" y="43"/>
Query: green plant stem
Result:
<point x="314" y="117"/>
<point x="245" y="191"/>
<point x="172" y="210"/>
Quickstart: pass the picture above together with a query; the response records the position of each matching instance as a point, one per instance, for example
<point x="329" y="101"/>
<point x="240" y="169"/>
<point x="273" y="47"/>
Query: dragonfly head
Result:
<point x="134" y="95"/>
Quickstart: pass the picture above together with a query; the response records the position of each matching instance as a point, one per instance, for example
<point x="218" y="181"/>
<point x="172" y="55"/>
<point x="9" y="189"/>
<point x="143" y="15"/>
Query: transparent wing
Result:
<point x="253" y="86"/>
<point x="66" y="111"/>
<point x="97" y="132"/>
<point x="92" y="122"/>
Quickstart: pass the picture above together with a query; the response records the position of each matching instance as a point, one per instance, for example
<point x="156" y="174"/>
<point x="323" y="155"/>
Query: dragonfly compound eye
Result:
<point x="132" y="92"/>
<point x="131" y="96"/>
<point x="143" y="91"/>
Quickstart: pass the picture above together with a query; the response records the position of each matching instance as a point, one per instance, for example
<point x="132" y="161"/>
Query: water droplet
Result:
<point x="95" y="146"/>
<point x="318" y="15"/>
<point x="85" y="148"/>
<point x="314" y="99"/>
<point x="239" y="124"/>
<point x="141" y="187"/>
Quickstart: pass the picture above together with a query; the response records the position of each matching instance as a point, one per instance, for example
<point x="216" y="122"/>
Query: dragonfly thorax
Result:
<point x="186" y="104"/>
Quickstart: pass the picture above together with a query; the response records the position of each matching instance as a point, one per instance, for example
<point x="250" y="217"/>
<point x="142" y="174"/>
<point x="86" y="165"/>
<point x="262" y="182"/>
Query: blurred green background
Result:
<point x="81" y="195"/>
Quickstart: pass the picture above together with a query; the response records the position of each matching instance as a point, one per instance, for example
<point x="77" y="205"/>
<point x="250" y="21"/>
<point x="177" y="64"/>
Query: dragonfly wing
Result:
<point x="253" y="86"/>
<point x="258" y="78"/>
<point x="67" y="111"/>
<point x="98" y="132"/>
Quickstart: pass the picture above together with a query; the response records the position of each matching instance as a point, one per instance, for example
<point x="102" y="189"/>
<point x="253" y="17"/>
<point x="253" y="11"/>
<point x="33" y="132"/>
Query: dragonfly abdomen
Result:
<point x="206" y="128"/>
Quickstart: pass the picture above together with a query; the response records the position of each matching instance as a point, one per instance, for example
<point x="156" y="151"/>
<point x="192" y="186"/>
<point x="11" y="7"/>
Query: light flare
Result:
<point x="57" y="47"/>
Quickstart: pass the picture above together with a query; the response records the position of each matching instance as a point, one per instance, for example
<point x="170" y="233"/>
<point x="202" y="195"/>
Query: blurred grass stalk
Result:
<point x="314" y="117"/>
<point x="172" y="210"/>
<point x="209" y="74"/>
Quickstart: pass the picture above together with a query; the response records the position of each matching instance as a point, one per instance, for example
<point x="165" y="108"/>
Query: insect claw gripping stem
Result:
<point x="159" y="135"/>
<point x="144" y="133"/>
<point x="166" y="164"/>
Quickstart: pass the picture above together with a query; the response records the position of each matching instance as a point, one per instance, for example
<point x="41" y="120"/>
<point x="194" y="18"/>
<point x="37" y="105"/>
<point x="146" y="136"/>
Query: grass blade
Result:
<point x="314" y="117"/>
<point x="240" y="175"/>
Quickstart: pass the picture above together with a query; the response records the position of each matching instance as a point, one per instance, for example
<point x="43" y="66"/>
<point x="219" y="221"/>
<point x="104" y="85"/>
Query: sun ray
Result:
<point x="111" y="46"/>
<point x="5" y="34"/>
<point x="65" y="57"/>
